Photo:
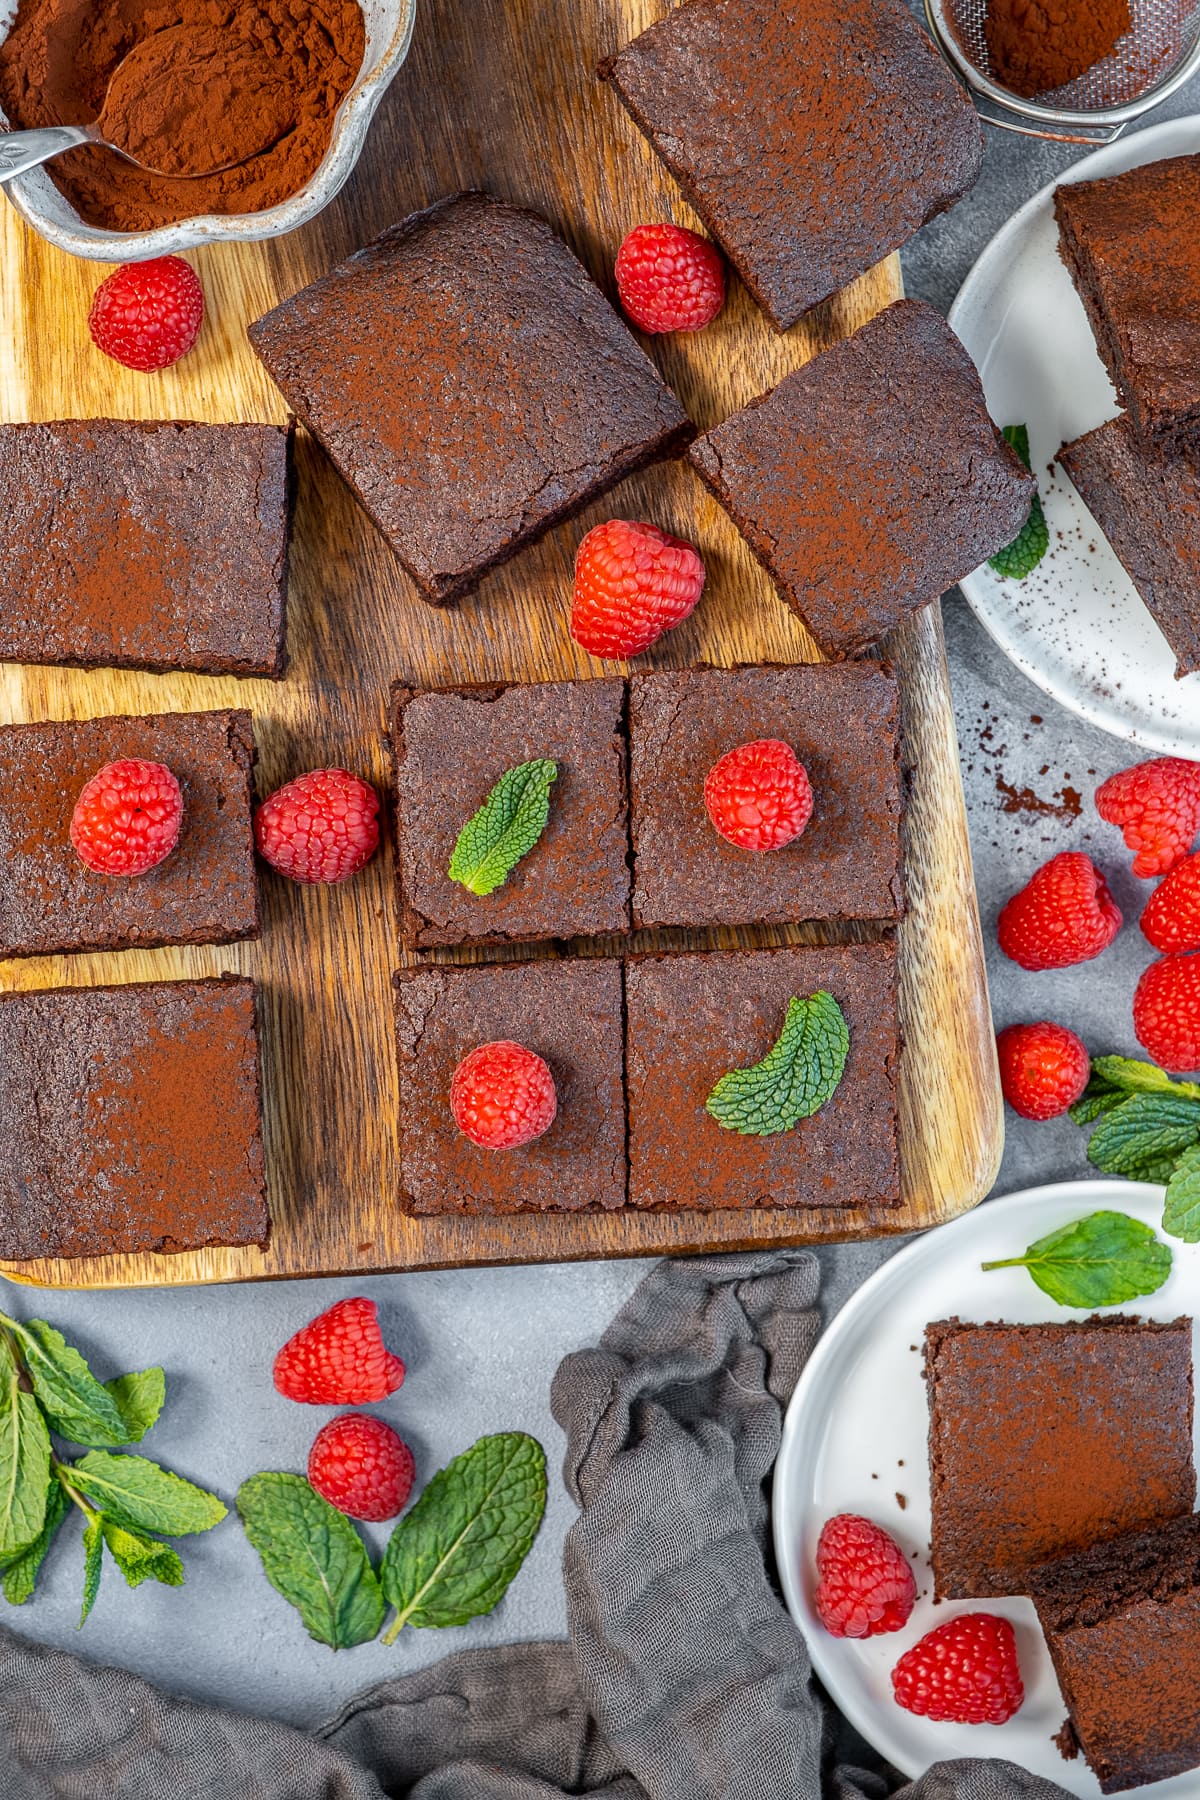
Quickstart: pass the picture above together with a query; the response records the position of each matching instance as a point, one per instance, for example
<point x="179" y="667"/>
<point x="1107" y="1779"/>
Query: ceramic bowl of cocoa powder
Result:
<point x="334" y="57"/>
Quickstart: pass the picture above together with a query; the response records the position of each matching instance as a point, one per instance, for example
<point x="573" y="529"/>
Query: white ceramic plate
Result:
<point x="855" y="1439"/>
<point x="1076" y="625"/>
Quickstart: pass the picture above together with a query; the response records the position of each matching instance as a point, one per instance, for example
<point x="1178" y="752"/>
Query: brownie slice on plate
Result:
<point x="130" y="1119"/>
<point x="1122" y="1623"/>
<point x="1045" y="1438"/>
<point x="812" y="139"/>
<point x="693" y="1018"/>
<point x="870" y="480"/>
<point x="1132" y="244"/>
<point x="1147" y="503"/>
<point x="842" y="721"/>
<point x="148" y="546"/>
<point x="205" y="892"/>
<point x="472" y="385"/>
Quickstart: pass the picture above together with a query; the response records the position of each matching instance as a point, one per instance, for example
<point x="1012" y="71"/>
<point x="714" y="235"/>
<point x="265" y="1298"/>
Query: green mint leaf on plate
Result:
<point x="1101" y="1260"/>
<point x="20" y="1575"/>
<point x="24" y="1461"/>
<point x="796" y="1077"/>
<point x="312" y="1555"/>
<point x="452" y="1557"/>
<point x="138" y="1493"/>
<point x="139" y="1557"/>
<point x="93" y="1564"/>
<point x="139" y="1398"/>
<point x="1142" y="1137"/>
<point x="1181" y="1215"/>
<point x="506" y="827"/>
<point x="1031" y="543"/>
<point x="74" y="1402"/>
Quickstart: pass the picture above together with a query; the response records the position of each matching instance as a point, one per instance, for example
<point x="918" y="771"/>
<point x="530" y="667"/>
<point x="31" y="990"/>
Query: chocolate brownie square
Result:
<point x="1132" y="244"/>
<point x="1147" y="503"/>
<point x="1122" y="1624"/>
<point x="471" y="384"/>
<point x="692" y="1018"/>
<point x="1045" y="1438"/>
<point x="812" y="140"/>
<point x="871" y="480"/>
<point x="205" y="892"/>
<point x="567" y="1012"/>
<point x="842" y="721"/>
<point x="130" y="1119"/>
<point x="141" y="545"/>
<point x="451" y="746"/>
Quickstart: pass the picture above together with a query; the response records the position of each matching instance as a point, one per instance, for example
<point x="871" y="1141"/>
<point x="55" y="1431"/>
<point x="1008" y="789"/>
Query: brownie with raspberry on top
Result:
<point x="471" y="384"/>
<point x="565" y="1016"/>
<point x="841" y="722"/>
<point x="450" y="747"/>
<point x="691" y="1019"/>
<point x="812" y="140"/>
<point x="130" y="1119"/>
<point x="870" y="480"/>
<point x="205" y="891"/>
<point x="130" y="544"/>
<point x="1044" y="1439"/>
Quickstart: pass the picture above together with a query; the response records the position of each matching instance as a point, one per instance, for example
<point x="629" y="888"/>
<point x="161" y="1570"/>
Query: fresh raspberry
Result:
<point x="1044" y="1068"/>
<point x="759" y="795"/>
<point x="360" y="1466"/>
<point x="1157" y="806"/>
<point x="147" y="315"/>
<point x="1166" y="1013"/>
<point x="964" y="1672"/>
<point x="1063" y="915"/>
<point x="323" y="826"/>
<point x="632" y="583"/>
<point x="1171" y="920"/>
<point x="865" y="1582"/>
<point x="127" y="818"/>
<point x="502" y="1095"/>
<point x="670" y="279"/>
<point x="338" y="1359"/>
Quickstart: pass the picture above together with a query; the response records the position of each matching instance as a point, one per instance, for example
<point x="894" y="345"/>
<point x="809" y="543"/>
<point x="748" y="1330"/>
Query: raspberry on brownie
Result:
<point x="471" y="384"/>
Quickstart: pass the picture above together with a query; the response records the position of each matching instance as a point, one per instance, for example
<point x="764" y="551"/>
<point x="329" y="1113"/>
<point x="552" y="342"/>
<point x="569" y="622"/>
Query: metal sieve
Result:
<point x="1152" y="60"/>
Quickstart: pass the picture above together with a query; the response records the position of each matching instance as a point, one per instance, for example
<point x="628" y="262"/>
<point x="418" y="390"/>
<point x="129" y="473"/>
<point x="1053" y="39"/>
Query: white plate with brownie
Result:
<point x="1076" y="623"/>
<point x="1043" y="1428"/>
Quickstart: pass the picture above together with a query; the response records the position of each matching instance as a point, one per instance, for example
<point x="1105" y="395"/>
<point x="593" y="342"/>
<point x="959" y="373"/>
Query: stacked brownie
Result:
<point x="1132" y="245"/>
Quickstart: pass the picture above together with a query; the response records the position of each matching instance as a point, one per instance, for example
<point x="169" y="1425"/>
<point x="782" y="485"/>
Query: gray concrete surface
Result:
<point x="482" y="1347"/>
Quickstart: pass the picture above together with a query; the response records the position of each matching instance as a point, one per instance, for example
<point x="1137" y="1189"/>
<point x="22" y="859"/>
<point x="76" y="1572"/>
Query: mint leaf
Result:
<point x="20" y="1575"/>
<point x="506" y="827"/>
<point x="139" y="1493"/>
<point x="93" y="1564"/>
<point x="1094" y="1103"/>
<point x="1101" y="1260"/>
<point x="453" y="1556"/>
<point x="1181" y="1215"/>
<point x="1031" y="543"/>
<point x="139" y="1398"/>
<point x="24" y="1461"/>
<point x="312" y="1555"/>
<point x="138" y="1556"/>
<point x="73" y="1401"/>
<point x="796" y="1077"/>
<point x="1133" y="1076"/>
<point x="1144" y="1134"/>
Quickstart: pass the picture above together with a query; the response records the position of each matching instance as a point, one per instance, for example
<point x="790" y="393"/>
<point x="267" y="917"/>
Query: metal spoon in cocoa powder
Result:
<point x="168" y="112"/>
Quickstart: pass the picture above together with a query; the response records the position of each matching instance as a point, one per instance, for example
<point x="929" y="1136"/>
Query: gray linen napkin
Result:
<point x="684" y="1678"/>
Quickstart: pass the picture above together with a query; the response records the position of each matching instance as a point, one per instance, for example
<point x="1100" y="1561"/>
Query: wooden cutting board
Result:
<point x="499" y="94"/>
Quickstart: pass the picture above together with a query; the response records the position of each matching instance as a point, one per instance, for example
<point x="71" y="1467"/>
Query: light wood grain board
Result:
<point x="499" y="94"/>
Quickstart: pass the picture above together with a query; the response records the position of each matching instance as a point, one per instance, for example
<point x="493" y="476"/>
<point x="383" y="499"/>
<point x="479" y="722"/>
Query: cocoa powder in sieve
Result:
<point x="1035" y="46"/>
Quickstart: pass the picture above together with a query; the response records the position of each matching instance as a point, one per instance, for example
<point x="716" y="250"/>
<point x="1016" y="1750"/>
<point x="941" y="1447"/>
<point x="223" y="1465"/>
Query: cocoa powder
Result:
<point x="256" y="85"/>
<point x="1035" y="46"/>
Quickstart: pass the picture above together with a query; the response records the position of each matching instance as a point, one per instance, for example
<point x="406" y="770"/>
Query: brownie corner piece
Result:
<point x="471" y="383"/>
<point x="130" y="1119"/>
<point x="812" y="140"/>
<point x="450" y="748"/>
<point x="567" y="1011"/>
<point x="871" y="479"/>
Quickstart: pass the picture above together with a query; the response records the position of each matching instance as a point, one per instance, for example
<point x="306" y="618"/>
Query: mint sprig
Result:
<point x="1022" y="556"/>
<point x="1147" y="1128"/>
<point x="506" y="827"/>
<point x="1104" y="1259"/>
<point x="797" y="1076"/>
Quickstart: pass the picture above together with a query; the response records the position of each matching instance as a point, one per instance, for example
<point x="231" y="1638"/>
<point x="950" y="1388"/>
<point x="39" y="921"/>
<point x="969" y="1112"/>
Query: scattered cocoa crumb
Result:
<point x="902" y="1501"/>
<point x="1067" y="1742"/>
<point x="1024" y="800"/>
<point x="1035" y="718"/>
